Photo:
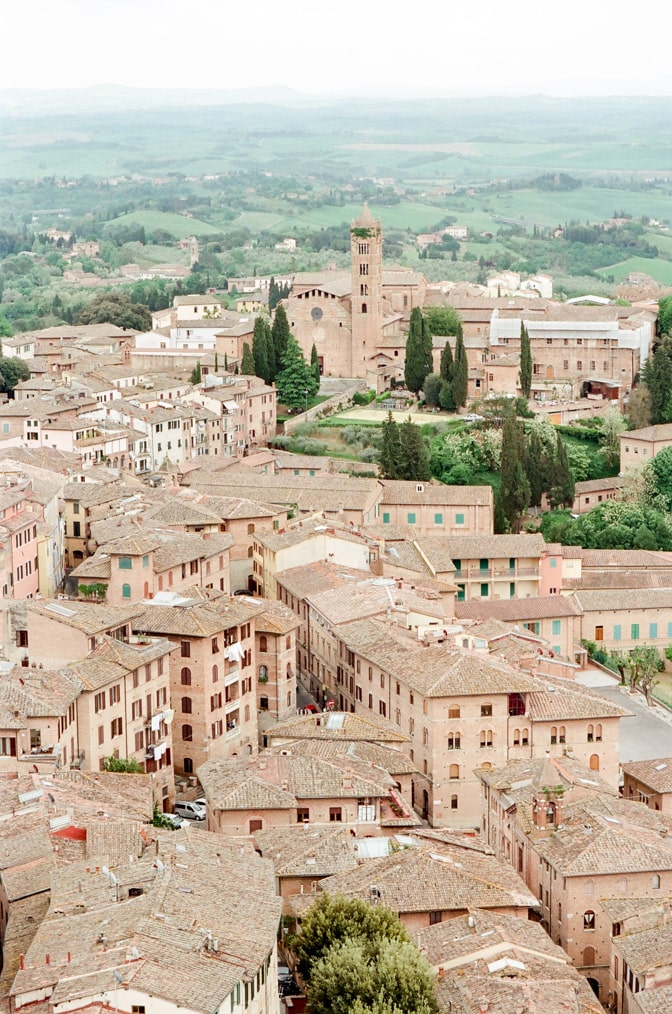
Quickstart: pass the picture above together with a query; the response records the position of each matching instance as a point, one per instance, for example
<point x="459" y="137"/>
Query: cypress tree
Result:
<point x="389" y="461"/>
<point x="260" y="350"/>
<point x="561" y="490"/>
<point x="270" y="352"/>
<point x="514" y="488"/>
<point x="525" y="375"/>
<point x="446" y="399"/>
<point x="535" y="469"/>
<point x="296" y="381"/>
<point x="247" y="367"/>
<point x="460" y="382"/>
<point x="414" y="455"/>
<point x="446" y="367"/>
<point x="280" y="331"/>
<point x="315" y="366"/>
<point x="418" y="361"/>
<point x="657" y="375"/>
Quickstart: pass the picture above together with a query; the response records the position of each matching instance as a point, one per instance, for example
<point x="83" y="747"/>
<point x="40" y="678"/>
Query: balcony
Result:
<point x="41" y="754"/>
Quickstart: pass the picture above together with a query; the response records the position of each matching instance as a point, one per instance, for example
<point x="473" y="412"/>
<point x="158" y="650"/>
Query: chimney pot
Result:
<point x="47" y="959"/>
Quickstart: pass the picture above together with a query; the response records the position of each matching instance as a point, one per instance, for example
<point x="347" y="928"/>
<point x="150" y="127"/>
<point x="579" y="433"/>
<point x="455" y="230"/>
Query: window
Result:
<point x="599" y="633"/>
<point x="453" y="802"/>
<point x="589" y="920"/>
<point x="116" y="727"/>
<point x="125" y="563"/>
<point x="386" y="518"/>
<point x="186" y="705"/>
<point x="101" y="735"/>
<point x="655" y="882"/>
<point x="438" y="519"/>
<point x="99" y="702"/>
<point x="653" y="630"/>
<point x="453" y="741"/>
<point x="115" y="694"/>
<point x="454" y="771"/>
<point x="185" y="677"/>
<point x="634" y="631"/>
<point x="335" y="814"/>
<point x="516" y="737"/>
<point x="136" y="710"/>
<point x="484" y="590"/>
<point x="263" y="643"/>
<point x="411" y="517"/>
<point x="486" y="738"/>
<point x="590" y="735"/>
<point x="459" y="519"/>
<point x="215" y="702"/>
<point x="185" y="649"/>
<point x="486" y="710"/>
<point x="434" y="918"/>
<point x="215" y="646"/>
<point x="125" y="591"/>
<point x="303" y="815"/>
<point x="215" y="674"/>
<point x="454" y="711"/>
<point x="187" y="733"/>
<point x="556" y="627"/>
<point x="598" y="733"/>
<point x="554" y="735"/>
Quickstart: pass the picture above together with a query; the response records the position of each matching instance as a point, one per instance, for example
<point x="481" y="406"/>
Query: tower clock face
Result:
<point x="316" y="313"/>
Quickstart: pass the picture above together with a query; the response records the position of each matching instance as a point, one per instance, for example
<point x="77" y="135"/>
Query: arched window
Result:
<point x="263" y="643"/>
<point x="598" y="733"/>
<point x="364" y="308"/>
<point x="589" y="920"/>
<point x="250" y="528"/>
<point x="188" y="766"/>
<point x="454" y="711"/>
<point x="250" y="552"/>
<point x="516" y="737"/>
<point x="424" y="767"/>
<point x="454" y="771"/>
<point x="125" y="591"/>
<point x="263" y="673"/>
<point x="561" y="734"/>
<point x="185" y="677"/>
<point x="160" y="582"/>
<point x="554" y="734"/>
<point x="186" y="705"/>
<point x="453" y="741"/>
<point x="594" y="762"/>
<point x="525" y="737"/>
<point x="187" y="732"/>
<point x="486" y="738"/>
<point x="215" y="674"/>
<point x="655" y="882"/>
<point x="453" y="802"/>
<point x="616" y="968"/>
<point x="588" y="956"/>
<point x="590" y="734"/>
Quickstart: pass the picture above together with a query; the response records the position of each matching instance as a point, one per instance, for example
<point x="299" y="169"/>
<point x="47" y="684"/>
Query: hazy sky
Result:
<point x="576" y="47"/>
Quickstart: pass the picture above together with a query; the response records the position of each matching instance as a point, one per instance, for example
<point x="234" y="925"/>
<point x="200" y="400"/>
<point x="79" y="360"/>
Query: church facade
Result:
<point x="357" y="320"/>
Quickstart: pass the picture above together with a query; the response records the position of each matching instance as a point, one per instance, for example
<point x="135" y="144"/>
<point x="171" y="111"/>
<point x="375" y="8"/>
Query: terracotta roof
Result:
<point x="338" y="727"/>
<point x="308" y="851"/>
<point x="443" y="878"/>
<point x="397" y="491"/>
<point x="89" y="617"/>
<point x="513" y="610"/>
<point x="655" y="774"/>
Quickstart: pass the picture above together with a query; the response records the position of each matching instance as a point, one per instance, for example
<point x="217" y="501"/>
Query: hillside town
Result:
<point x="238" y="682"/>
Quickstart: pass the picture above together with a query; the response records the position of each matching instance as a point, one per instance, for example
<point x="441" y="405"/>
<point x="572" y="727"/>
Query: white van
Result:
<point x="192" y="811"/>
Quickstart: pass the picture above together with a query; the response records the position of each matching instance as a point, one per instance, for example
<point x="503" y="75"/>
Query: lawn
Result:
<point x="178" y="226"/>
<point x="662" y="691"/>
<point x="659" y="270"/>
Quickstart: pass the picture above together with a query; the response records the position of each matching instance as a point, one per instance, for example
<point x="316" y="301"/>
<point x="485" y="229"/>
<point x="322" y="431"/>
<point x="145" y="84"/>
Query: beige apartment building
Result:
<point x="275" y="646"/>
<point x="649" y="782"/>
<point x="638" y="447"/>
<point x="139" y="567"/>
<point x="249" y="794"/>
<point x="428" y="509"/>
<point x="576" y="844"/>
<point x="555" y="618"/>
<point x="496" y="566"/>
<point x="621" y="619"/>
<point x="213" y="676"/>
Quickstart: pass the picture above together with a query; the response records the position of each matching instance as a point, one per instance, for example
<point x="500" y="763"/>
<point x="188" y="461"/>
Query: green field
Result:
<point x="659" y="270"/>
<point x="179" y="226"/>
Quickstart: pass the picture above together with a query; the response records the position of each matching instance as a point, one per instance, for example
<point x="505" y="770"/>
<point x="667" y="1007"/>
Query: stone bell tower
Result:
<point x="366" y="249"/>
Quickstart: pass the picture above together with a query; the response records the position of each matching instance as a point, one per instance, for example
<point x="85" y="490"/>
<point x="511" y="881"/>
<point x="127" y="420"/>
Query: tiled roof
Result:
<point x="89" y="617"/>
<point x="278" y="781"/>
<point x="623" y="598"/>
<point x="559" y="699"/>
<point x="655" y="774"/>
<point x="393" y="761"/>
<point x="512" y="610"/>
<point x="276" y="619"/>
<point x="338" y="727"/>
<point x="648" y="949"/>
<point x="655" y="1001"/>
<point x="196" y="620"/>
<point x="502" y="547"/>
<point x="437" y="670"/>
<point x="308" y="851"/>
<point x="397" y="491"/>
<point x="444" y="878"/>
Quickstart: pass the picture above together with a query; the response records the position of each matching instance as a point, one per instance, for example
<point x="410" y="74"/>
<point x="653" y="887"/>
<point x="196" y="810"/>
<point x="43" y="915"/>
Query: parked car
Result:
<point x="176" y="821"/>
<point x="189" y="810"/>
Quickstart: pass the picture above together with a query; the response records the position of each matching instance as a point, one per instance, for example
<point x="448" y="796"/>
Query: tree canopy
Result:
<point x="296" y="382"/>
<point x="115" y="308"/>
<point x="358" y="957"/>
<point x="12" y="371"/>
<point x="443" y="320"/>
<point x="418" y="361"/>
<point x="525" y="375"/>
